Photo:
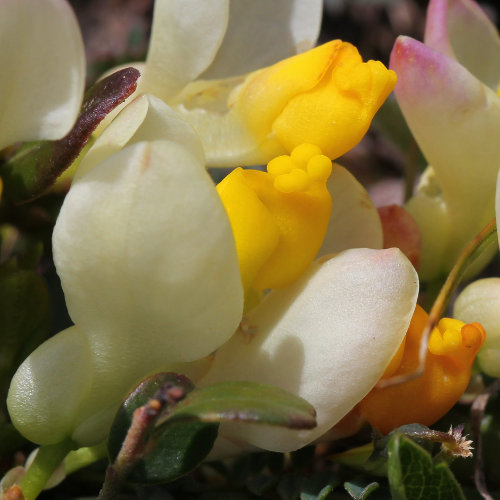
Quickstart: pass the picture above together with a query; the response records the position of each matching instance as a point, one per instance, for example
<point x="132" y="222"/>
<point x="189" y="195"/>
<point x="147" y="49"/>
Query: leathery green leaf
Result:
<point x="178" y="449"/>
<point x="244" y="401"/>
<point x="412" y="474"/>
<point x="185" y="433"/>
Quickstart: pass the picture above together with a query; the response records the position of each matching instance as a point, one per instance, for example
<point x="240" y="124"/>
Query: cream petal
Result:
<point x="147" y="258"/>
<point x="43" y="70"/>
<point x="455" y="119"/>
<point x="145" y="118"/>
<point x="226" y="140"/>
<point x="262" y="33"/>
<point x="461" y="30"/>
<point x="68" y="369"/>
<point x="49" y="387"/>
<point x="186" y="35"/>
<point x="354" y="220"/>
<point x="480" y="301"/>
<point x="328" y="338"/>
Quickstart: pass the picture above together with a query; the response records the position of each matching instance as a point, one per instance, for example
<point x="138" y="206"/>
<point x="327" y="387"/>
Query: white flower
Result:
<point x="150" y="272"/>
<point x="43" y="70"/>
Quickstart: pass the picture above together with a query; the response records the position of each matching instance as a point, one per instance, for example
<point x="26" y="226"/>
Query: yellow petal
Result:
<point x="326" y="96"/>
<point x="279" y="217"/>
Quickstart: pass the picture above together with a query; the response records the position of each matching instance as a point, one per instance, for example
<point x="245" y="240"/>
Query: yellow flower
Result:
<point x="326" y="96"/>
<point x="214" y="70"/>
<point x="452" y="348"/>
<point x="279" y="217"/>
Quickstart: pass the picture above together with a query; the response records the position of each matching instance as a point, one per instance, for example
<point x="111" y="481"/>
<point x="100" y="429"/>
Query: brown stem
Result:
<point x="136" y="444"/>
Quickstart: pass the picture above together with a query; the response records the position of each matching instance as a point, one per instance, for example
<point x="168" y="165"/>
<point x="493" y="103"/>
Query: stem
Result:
<point x="82" y="457"/>
<point x="467" y="257"/>
<point x="48" y="458"/>
<point x="136" y="445"/>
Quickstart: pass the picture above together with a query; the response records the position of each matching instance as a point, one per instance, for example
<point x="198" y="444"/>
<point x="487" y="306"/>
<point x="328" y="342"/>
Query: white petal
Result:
<point x="145" y="118"/>
<point x="354" y="221"/>
<point x="461" y="30"/>
<point x="263" y="32"/>
<point x="49" y="387"/>
<point x="454" y="118"/>
<point x="328" y="338"/>
<point x="147" y="258"/>
<point x="43" y="70"/>
<point x="480" y="301"/>
<point x="186" y="35"/>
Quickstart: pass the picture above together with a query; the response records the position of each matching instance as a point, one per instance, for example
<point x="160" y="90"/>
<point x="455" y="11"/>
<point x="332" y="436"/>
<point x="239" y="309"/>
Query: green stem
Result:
<point x="48" y="458"/>
<point x="82" y="457"/>
<point x="471" y="252"/>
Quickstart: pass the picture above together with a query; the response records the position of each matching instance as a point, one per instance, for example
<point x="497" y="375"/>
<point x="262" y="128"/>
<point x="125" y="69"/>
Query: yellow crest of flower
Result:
<point x="279" y="217"/>
<point x="452" y="347"/>
<point x="325" y="96"/>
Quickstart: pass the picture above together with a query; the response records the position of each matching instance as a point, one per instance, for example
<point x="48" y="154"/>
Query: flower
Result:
<point x="43" y="70"/>
<point x="213" y="74"/>
<point x="452" y="348"/>
<point x="326" y="96"/>
<point x="150" y="272"/>
<point x="157" y="265"/>
<point x="447" y="92"/>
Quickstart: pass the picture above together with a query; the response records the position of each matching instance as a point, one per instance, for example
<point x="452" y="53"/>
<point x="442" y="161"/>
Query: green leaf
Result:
<point x="24" y="317"/>
<point x="322" y="495"/>
<point x="413" y="476"/>
<point x="180" y="447"/>
<point x="36" y="165"/>
<point x="360" y="492"/>
<point x="319" y="485"/>
<point x="185" y="433"/>
<point x="244" y="402"/>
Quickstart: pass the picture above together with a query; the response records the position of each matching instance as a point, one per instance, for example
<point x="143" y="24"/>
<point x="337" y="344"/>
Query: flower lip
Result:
<point x="279" y="218"/>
